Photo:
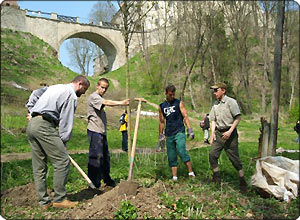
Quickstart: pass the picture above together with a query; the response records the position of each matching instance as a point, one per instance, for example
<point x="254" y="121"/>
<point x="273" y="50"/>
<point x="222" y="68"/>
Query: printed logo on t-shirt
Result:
<point x="169" y="110"/>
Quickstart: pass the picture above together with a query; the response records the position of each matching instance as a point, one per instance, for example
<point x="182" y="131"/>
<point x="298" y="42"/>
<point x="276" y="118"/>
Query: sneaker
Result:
<point x="64" y="204"/>
<point x="192" y="175"/>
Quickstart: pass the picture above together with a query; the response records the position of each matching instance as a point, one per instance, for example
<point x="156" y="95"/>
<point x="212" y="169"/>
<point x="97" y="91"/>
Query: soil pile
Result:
<point x="93" y="204"/>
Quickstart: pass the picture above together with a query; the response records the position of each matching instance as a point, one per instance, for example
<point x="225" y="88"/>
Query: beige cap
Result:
<point x="219" y="85"/>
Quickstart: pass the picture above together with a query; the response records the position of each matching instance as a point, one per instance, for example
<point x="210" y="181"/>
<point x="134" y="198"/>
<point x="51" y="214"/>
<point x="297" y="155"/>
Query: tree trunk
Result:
<point x="199" y="45"/>
<point x="276" y="75"/>
<point x="292" y="93"/>
<point x="212" y="66"/>
<point x="191" y="94"/>
<point x="266" y="62"/>
<point x="264" y="138"/>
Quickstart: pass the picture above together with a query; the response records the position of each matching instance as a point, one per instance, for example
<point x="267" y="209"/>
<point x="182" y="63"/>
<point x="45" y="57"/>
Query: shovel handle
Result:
<point x="82" y="173"/>
<point x="134" y="139"/>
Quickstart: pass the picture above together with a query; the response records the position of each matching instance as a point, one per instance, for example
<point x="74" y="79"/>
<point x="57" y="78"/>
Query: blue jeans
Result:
<point x="99" y="159"/>
<point x="124" y="141"/>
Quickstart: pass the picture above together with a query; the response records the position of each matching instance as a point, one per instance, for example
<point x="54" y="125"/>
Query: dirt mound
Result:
<point x="95" y="204"/>
<point x="21" y="196"/>
<point x="104" y="205"/>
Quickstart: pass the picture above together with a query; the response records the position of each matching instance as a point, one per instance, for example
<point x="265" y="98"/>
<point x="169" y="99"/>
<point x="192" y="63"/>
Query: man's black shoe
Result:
<point x="216" y="177"/>
<point x="111" y="183"/>
<point x="243" y="185"/>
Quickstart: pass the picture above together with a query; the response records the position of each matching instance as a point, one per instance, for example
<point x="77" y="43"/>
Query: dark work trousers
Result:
<point x="230" y="146"/>
<point x="99" y="159"/>
<point x="124" y="141"/>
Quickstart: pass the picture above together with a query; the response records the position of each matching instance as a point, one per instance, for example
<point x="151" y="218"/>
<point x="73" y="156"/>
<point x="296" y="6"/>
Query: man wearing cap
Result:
<point x="173" y="113"/>
<point x="225" y="116"/>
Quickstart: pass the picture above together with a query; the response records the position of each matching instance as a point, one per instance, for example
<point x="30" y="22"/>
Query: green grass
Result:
<point x="188" y="195"/>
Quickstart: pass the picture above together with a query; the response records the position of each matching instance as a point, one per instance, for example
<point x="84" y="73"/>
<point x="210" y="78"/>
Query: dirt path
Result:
<point x="25" y="156"/>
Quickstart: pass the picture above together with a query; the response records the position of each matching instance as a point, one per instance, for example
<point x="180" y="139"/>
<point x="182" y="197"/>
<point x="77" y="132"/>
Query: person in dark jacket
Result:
<point x="205" y="129"/>
<point x="297" y="129"/>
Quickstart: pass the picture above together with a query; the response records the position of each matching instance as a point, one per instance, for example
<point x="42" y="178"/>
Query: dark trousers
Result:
<point x="124" y="141"/>
<point x="231" y="148"/>
<point x="99" y="158"/>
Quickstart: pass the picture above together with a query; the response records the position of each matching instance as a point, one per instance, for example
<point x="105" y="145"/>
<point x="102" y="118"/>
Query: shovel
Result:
<point x="129" y="187"/>
<point x="82" y="173"/>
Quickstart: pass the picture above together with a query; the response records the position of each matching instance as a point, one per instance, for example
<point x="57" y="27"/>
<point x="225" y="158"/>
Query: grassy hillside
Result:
<point x="30" y="62"/>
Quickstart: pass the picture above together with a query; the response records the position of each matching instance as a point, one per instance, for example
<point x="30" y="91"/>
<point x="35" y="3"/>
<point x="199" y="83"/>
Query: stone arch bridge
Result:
<point x="55" y="29"/>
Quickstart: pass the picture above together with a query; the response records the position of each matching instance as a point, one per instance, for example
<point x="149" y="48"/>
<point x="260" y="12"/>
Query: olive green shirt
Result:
<point x="223" y="112"/>
<point x="96" y="114"/>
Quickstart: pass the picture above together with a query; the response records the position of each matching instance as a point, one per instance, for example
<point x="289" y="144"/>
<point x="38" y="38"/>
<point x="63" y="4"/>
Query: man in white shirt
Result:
<point x="49" y="108"/>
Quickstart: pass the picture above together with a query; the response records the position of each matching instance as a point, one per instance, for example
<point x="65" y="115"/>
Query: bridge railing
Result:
<point x="38" y="13"/>
<point x="70" y="19"/>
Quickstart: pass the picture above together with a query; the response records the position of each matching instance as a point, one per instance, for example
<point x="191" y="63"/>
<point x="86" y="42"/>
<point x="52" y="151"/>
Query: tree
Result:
<point x="291" y="31"/>
<point x="81" y="52"/>
<point x="219" y="52"/>
<point x="132" y="14"/>
<point x="238" y="14"/>
<point x="102" y="11"/>
<point x="268" y="8"/>
<point x="276" y="75"/>
<point x="192" y="43"/>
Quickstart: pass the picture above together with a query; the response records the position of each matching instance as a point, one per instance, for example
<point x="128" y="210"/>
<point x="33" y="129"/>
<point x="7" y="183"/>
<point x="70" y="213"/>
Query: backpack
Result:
<point x="122" y="119"/>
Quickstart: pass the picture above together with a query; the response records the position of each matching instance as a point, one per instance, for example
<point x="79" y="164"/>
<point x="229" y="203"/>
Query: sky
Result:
<point x="79" y="9"/>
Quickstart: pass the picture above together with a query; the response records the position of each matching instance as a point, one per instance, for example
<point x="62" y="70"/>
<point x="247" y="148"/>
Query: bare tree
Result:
<point x="291" y="32"/>
<point x="268" y="8"/>
<point x="192" y="41"/>
<point x="237" y="14"/>
<point x="102" y="11"/>
<point x="277" y="75"/>
<point x="81" y="52"/>
<point x="132" y="14"/>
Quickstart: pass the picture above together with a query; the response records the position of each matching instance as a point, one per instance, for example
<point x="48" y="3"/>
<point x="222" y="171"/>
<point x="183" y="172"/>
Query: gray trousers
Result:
<point x="231" y="148"/>
<point x="46" y="144"/>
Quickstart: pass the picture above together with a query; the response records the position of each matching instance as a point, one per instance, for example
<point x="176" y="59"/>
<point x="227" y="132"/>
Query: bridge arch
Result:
<point x="54" y="31"/>
<point x="109" y="48"/>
